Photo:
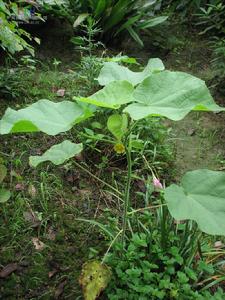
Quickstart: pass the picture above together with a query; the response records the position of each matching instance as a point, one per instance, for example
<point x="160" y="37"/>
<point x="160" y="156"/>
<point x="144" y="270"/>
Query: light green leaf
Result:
<point x="44" y="115"/>
<point x="111" y="71"/>
<point x="4" y="195"/>
<point x="117" y="125"/>
<point x="201" y="197"/>
<point x="135" y="36"/>
<point x="80" y="19"/>
<point x="124" y="59"/>
<point x="172" y="95"/>
<point x="152" y="22"/>
<point x="112" y="96"/>
<point x="3" y="172"/>
<point x="57" y="154"/>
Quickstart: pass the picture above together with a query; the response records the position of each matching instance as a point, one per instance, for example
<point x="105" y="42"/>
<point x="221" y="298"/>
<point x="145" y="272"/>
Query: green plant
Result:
<point x="148" y="93"/>
<point x="144" y="270"/>
<point x="218" y="60"/>
<point x="212" y="18"/>
<point x="13" y="38"/>
<point x="4" y="193"/>
<point x="90" y="64"/>
<point x="184" y="7"/>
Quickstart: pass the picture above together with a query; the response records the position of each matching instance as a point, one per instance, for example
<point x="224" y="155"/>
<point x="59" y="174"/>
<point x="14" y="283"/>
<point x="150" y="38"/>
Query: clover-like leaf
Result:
<point x="44" y="115"/>
<point x="172" y="95"/>
<point x="112" y="71"/>
<point x="201" y="198"/>
<point x="94" y="279"/>
<point x="112" y="96"/>
<point x="57" y="154"/>
<point x="117" y="125"/>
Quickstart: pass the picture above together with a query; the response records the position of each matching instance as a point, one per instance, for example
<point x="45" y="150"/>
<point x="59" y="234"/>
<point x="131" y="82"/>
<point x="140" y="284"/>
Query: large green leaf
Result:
<point x="112" y="71"/>
<point x="112" y="96"/>
<point x="57" y="154"/>
<point x="201" y="197"/>
<point x="44" y="115"/>
<point x="170" y="94"/>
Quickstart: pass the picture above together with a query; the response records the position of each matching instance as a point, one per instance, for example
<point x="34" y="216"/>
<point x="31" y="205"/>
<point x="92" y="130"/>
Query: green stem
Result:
<point x="127" y="189"/>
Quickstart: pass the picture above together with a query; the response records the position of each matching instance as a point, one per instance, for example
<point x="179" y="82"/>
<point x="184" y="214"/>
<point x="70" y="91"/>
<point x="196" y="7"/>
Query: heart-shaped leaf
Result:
<point x="170" y="94"/>
<point x="112" y="96"/>
<point x="94" y="279"/>
<point x="44" y="115"/>
<point x="57" y="154"/>
<point x="4" y="195"/>
<point x="112" y="71"/>
<point x="201" y="197"/>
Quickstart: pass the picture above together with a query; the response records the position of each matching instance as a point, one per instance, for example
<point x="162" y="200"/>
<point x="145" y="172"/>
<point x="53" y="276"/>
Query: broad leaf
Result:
<point x="94" y="279"/>
<point x="57" y="154"/>
<point x="117" y="125"/>
<point x="4" y="195"/>
<point x="201" y="197"/>
<point x="3" y="172"/>
<point x="112" y="72"/>
<point x="112" y="96"/>
<point x="171" y="94"/>
<point x="44" y="115"/>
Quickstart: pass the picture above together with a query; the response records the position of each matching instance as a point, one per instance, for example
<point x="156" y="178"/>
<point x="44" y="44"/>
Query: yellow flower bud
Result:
<point x="119" y="148"/>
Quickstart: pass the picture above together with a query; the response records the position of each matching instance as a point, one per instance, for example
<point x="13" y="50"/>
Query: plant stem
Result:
<point x="127" y="189"/>
<point x="110" y="246"/>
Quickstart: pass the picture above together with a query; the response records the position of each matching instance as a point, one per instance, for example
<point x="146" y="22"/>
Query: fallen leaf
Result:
<point x="94" y="279"/>
<point x="39" y="245"/>
<point x="85" y="193"/>
<point x="191" y="131"/>
<point x="7" y="270"/>
<point x="60" y="93"/>
<point x="31" y="217"/>
<point x="20" y="187"/>
<point x="52" y="273"/>
<point x="60" y="289"/>
<point x="51" y="234"/>
<point x="218" y="244"/>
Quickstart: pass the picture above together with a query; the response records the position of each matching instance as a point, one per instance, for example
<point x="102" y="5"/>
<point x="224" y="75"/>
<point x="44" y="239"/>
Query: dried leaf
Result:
<point x="39" y="245"/>
<point x="60" y="289"/>
<point x="20" y="187"/>
<point x="60" y="93"/>
<point x="7" y="270"/>
<point x="51" y="234"/>
<point x="52" y="273"/>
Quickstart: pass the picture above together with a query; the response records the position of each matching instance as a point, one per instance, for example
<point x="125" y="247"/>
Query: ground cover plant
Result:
<point x="122" y="86"/>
